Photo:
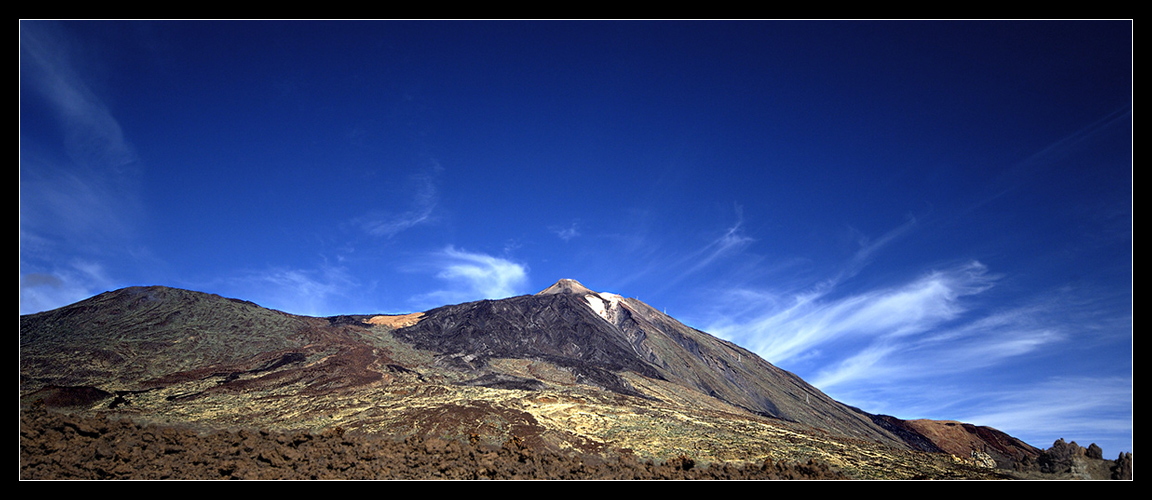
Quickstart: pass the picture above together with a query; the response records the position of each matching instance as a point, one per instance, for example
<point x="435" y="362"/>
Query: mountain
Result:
<point x="600" y="336"/>
<point x="567" y="369"/>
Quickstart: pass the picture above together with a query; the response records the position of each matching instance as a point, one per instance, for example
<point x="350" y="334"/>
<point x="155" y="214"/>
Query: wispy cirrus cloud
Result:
<point x="1066" y="406"/>
<point x="924" y="347"/>
<point x="1083" y="408"/>
<point x="784" y="326"/>
<point x="566" y="233"/>
<point x="869" y="247"/>
<point x="973" y="345"/>
<point x="1116" y="123"/>
<point x="79" y="183"/>
<point x="60" y="285"/>
<point x="92" y="135"/>
<point x="731" y="241"/>
<point x="322" y="291"/>
<point x="87" y="193"/>
<point x="472" y="276"/>
<point x="423" y="196"/>
<point x="658" y="258"/>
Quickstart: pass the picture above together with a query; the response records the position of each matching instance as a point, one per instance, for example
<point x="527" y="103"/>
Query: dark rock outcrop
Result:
<point x="1094" y="451"/>
<point x="1061" y="457"/>
<point x="1122" y="467"/>
<point x="1070" y="460"/>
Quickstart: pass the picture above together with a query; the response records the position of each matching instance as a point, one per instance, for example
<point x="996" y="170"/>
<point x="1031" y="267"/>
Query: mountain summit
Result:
<point x="566" y="286"/>
<point x="605" y="304"/>
<point x="567" y="368"/>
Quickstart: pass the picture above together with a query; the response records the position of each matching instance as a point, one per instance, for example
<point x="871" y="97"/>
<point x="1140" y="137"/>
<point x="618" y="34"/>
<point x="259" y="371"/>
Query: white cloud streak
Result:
<point x="809" y="320"/>
<point x="473" y="276"/>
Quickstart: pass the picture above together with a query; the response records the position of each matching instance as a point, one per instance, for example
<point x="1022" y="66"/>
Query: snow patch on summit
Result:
<point x="605" y="304"/>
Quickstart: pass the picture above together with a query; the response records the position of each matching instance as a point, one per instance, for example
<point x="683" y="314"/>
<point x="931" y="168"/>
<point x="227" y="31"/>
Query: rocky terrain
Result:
<point x="1072" y="461"/>
<point x="56" y="446"/>
<point x="156" y="382"/>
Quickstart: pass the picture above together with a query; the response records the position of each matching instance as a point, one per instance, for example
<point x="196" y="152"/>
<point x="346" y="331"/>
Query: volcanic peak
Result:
<point x="605" y="304"/>
<point x="566" y="286"/>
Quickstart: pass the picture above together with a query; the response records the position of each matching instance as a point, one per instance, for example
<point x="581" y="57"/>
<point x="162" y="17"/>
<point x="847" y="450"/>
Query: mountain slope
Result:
<point x="721" y="369"/>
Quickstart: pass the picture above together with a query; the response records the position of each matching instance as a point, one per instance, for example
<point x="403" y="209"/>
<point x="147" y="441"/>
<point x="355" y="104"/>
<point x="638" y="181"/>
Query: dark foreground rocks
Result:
<point x="1071" y="461"/>
<point x="59" y="446"/>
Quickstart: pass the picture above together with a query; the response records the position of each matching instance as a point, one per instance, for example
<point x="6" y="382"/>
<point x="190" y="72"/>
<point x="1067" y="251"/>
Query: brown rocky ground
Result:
<point x="58" y="446"/>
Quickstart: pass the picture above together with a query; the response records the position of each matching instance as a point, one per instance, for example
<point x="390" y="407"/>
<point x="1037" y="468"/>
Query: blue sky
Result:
<point x="923" y="219"/>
